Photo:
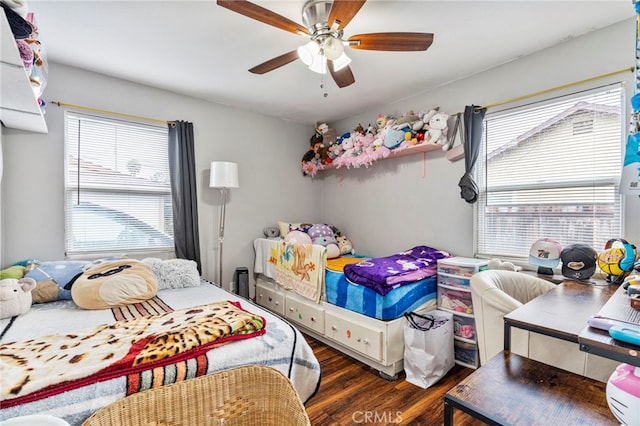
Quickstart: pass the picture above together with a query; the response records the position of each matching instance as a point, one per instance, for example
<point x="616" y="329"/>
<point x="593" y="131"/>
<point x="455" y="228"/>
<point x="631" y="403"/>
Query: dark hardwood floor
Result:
<point x="352" y="393"/>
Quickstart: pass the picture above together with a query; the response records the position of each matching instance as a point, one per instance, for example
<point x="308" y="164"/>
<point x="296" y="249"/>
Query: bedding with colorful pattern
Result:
<point x="64" y="361"/>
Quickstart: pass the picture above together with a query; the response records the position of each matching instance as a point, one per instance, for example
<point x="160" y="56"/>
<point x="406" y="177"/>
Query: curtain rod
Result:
<point x="517" y="98"/>
<point x="564" y="86"/>
<point x="121" y="114"/>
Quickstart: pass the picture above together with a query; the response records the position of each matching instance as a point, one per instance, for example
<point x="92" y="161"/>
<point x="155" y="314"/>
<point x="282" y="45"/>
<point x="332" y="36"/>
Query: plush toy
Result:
<point x="437" y="132"/>
<point x="114" y="283"/>
<point x="297" y="237"/>
<point x="499" y="264"/>
<point x="322" y="234"/>
<point x="271" y="231"/>
<point x="345" y="245"/>
<point x="15" y="296"/>
<point x="329" y="135"/>
<point x="423" y="122"/>
<point x="312" y="158"/>
<point x="408" y="119"/>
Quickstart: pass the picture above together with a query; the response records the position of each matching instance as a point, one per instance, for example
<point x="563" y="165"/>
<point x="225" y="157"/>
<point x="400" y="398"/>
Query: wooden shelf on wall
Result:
<point x="415" y="149"/>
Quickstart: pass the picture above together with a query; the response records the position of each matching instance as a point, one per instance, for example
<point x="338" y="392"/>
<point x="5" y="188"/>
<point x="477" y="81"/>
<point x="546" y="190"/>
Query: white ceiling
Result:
<point x="200" y="49"/>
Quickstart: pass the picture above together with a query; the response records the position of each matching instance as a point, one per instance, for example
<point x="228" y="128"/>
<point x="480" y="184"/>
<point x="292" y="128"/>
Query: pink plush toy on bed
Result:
<point x="15" y="296"/>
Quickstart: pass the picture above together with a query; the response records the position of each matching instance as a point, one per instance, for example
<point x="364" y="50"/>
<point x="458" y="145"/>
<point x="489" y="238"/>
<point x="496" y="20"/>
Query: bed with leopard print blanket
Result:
<point x="64" y="361"/>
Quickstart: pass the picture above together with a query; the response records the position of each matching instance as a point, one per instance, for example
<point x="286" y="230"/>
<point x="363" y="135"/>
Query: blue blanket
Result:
<point x="383" y="274"/>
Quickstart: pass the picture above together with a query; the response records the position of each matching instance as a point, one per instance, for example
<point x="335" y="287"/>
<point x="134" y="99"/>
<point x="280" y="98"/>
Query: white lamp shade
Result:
<point x="341" y="62"/>
<point x="319" y="64"/>
<point x="223" y="174"/>
<point x="307" y="52"/>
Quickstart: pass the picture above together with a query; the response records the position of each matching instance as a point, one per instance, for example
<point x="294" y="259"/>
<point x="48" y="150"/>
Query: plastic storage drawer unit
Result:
<point x="462" y="266"/>
<point x="465" y="353"/>
<point x="455" y="300"/>
<point x="453" y="280"/>
<point x="464" y="327"/>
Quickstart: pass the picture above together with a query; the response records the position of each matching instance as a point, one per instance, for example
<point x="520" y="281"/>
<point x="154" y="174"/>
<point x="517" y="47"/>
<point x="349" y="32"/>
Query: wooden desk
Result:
<point x="598" y="342"/>
<point x="513" y="390"/>
<point x="561" y="312"/>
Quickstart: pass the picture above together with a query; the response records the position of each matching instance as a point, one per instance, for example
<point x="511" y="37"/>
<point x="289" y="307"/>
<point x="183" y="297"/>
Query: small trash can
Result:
<point x="241" y="278"/>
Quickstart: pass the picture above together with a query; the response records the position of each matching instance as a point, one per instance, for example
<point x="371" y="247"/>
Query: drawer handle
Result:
<point x="290" y="309"/>
<point x="313" y="319"/>
<point x="365" y="341"/>
<point x="277" y="303"/>
<point x="334" y="328"/>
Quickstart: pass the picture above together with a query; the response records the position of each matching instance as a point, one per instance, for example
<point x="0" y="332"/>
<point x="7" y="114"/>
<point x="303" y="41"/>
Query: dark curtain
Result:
<point x="184" y="191"/>
<point x="472" y="137"/>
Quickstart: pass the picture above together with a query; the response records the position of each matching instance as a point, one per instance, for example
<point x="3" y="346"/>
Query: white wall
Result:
<point x="391" y="206"/>
<point x="267" y="151"/>
<point x="385" y="208"/>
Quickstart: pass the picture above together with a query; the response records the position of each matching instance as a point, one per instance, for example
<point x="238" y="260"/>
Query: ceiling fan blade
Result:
<point x="261" y="14"/>
<point x="343" y="77"/>
<point x="274" y="63"/>
<point x="399" y="42"/>
<point x="344" y="11"/>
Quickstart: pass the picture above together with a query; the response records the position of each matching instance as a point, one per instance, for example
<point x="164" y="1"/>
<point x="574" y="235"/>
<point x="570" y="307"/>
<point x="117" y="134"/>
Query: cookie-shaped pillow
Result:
<point x="114" y="283"/>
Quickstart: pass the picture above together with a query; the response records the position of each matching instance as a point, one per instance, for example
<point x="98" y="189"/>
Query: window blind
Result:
<point x="551" y="169"/>
<point x="117" y="188"/>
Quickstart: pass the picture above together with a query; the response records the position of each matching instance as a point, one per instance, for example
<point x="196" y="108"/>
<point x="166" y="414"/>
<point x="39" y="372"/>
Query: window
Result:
<point x="117" y="189"/>
<point x="551" y="169"/>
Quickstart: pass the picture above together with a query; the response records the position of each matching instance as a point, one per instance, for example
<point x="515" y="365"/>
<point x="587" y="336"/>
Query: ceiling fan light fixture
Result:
<point x="319" y="64"/>
<point x="308" y="52"/>
<point x="332" y="48"/>
<point x="341" y="62"/>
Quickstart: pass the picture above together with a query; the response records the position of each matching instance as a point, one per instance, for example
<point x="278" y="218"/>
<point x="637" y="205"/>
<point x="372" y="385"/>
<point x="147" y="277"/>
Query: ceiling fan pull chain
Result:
<point x="323" y="86"/>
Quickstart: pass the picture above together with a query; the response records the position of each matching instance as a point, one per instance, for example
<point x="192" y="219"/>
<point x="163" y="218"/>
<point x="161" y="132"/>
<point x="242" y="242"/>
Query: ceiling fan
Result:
<point x="325" y="21"/>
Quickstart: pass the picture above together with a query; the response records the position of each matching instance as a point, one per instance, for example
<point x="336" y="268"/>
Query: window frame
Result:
<point x="551" y="96"/>
<point x="69" y="190"/>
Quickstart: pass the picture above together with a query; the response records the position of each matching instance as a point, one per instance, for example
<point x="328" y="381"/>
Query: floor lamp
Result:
<point x="223" y="175"/>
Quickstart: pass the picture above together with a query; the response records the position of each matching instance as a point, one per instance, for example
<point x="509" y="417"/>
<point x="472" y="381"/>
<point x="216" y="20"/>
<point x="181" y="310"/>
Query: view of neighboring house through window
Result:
<point x="551" y="169"/>
<point x="117" y="189"/>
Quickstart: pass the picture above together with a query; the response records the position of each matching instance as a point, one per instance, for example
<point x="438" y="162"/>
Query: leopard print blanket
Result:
<point x="55" y="363"/>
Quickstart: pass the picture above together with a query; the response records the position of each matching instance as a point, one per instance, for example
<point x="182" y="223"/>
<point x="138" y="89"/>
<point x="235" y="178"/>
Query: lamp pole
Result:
<point x="223" y="192"/>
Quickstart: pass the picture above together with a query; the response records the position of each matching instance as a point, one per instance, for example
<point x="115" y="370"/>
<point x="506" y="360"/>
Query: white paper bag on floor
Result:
<point x="428" y="347"/>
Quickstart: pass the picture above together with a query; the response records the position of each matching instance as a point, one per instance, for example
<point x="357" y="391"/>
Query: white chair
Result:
<point x="495" y="293"/>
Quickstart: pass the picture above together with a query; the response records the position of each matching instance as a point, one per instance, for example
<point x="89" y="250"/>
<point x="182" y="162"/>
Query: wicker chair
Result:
<point x="248" y="395"/>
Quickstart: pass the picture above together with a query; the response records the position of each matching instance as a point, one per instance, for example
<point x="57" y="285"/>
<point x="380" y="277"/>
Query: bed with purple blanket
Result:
<point x="383" y="288"/>
<point x="386" y="287"/>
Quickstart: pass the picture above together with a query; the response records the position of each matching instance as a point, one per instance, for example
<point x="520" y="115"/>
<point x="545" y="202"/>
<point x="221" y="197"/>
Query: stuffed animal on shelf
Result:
<point x="329" y="135"/>
<point x="15" y="296"/>
<point x="312" y="159"/>
<point x="437" y="132"/>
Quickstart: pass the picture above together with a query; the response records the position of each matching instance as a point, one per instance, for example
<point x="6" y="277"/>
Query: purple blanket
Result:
<point x="383" y="274"/>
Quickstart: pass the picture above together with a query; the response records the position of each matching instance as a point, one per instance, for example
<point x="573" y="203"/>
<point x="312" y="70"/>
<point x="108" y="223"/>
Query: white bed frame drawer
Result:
<point x="309" y="314"/>
<point x="270" y="298"/>
<point x="364" y="339"/>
